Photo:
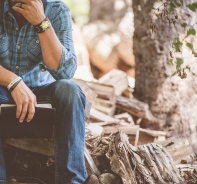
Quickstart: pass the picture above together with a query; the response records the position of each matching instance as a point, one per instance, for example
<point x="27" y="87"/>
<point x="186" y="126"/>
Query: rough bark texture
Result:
<point x="171" y="99"/>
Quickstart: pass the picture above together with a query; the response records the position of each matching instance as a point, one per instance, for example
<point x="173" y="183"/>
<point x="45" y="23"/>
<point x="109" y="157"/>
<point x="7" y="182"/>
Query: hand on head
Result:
<point x="32" y="10"/>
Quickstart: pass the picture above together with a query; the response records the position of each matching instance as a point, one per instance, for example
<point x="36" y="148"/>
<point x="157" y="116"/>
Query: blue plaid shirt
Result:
<point x="20" y="50"/>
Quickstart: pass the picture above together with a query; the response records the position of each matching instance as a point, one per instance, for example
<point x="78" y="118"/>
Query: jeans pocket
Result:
<point x="34" y="52"/>
<point x="4" y="47"/>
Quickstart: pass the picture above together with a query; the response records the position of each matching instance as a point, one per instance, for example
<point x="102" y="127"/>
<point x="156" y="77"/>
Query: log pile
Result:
<point x="110" y="45"/>
<point x="149" y="163"/>
<point x="123" y="140"/>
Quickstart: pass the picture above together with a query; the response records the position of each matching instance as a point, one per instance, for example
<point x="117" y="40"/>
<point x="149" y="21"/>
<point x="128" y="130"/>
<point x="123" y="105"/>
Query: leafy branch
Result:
<point x="166" y="11"/>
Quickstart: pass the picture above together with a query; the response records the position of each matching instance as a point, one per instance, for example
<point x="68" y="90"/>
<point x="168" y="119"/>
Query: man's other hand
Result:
<point x="25" y="101"/>
<point x="32" y="10"/>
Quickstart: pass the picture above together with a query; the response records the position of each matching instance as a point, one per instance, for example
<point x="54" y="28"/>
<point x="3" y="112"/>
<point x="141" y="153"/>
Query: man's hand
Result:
<point x="25" y="101"/>
<point x="32" y="10"/>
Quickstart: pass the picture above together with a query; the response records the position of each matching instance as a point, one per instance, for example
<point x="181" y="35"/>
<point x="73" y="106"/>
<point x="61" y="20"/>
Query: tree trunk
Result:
<point x="172" y="100"/>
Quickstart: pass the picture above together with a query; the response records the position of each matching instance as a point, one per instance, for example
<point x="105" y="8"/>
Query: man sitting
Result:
<point x="37" y="59"/>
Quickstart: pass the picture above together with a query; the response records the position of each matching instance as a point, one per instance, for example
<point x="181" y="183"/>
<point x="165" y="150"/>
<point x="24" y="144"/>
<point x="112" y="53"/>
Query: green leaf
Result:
<point x="190" y="46"/>
<point x="191" y="32"/>
<point x="179" y="62"/>
<point x="184" y="24"/>
<point x="192" y="6"/>
<point x="174" y="4"/>
<point x="177" y="44"/>
<point x="174" y="74"/>
<point x="172" y="7"/>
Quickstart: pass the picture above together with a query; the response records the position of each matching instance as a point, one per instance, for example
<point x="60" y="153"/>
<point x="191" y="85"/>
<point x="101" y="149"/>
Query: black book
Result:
<point x="41" y="126"/>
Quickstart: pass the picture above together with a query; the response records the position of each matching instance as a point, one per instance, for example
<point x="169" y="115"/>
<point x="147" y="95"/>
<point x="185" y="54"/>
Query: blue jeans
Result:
<point x="69" y="101"/>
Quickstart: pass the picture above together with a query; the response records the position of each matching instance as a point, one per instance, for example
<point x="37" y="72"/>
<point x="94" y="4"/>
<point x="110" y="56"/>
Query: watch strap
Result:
<point x="40" y="29"/>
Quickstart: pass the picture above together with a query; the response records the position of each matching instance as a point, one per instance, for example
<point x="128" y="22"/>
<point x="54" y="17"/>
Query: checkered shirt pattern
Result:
<point x="20" y="50"/>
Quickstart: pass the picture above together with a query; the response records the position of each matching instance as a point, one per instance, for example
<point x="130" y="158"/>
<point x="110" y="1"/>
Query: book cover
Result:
<point x="41" y="126"/>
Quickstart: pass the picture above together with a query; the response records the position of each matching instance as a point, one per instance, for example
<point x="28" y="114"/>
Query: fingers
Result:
<point x="22" y="1"/>
<point x="35" y="102"/>
<point x="31" y="111"/>
<point x="19" y="10"/>
<point x="22" y="6"/>
<point x="24" y="112"/>
<point x="40" y="1"/>
<point x="18" y="110"/>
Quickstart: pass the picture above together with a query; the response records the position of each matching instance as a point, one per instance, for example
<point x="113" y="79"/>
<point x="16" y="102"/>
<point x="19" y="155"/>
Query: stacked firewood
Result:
<point x="123" y="140"/>
<point x="115" y="160"/>
<point x="140" y="156"/>
<point x="110" y="104"/>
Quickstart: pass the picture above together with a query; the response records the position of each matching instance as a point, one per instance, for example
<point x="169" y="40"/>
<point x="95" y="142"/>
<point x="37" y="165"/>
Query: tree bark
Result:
<point x="172" y="100"/>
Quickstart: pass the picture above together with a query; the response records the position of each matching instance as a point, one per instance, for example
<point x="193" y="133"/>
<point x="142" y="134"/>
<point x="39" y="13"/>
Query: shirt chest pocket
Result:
<point x="4" y="47"/>
<point x="34" y="52"/>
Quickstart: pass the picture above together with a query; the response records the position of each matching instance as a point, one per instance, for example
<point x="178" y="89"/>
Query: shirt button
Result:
<point x="37" y="41"/>
<point x="18" y="46"/>
<point x="43" y="70"/>
<point x="17" y="67"/>
<point x="17" y="28"/>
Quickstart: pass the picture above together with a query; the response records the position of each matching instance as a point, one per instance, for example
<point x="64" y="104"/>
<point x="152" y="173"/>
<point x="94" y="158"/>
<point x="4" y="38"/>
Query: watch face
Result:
<point x="45" y="25"/>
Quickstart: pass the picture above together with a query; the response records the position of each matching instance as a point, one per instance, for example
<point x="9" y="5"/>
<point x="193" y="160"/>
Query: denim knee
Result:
<point x="68" y="91"/>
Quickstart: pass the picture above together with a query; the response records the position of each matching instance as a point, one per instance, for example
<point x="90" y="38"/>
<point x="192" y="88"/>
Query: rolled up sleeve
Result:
<point x="62" y="25"/>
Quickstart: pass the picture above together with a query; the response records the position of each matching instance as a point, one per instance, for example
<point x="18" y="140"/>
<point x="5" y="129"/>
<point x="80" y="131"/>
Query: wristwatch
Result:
<point x="43" y="26"/>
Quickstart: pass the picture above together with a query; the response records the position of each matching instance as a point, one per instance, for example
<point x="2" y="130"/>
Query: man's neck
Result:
<point x="19" y="17"/>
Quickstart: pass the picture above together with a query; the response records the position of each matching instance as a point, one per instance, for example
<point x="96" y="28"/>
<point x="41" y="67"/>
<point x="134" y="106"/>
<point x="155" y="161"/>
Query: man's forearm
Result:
<point x="51" y="48"/>
<point x="6" y="76"/>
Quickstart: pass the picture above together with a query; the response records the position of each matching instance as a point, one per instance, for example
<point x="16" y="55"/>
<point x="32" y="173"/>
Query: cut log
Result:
<point x="138" y="109"/>
<point x="89" y="93"/>
<point x="104" y="106"/>
<point x="117" y="79"/>
<point x="110" y="46"/>
<point x="131" y="130"/>
<point x="91" y="163"/>
<point x="128" y="93"/>
<point x="149" y="136"/>
<point x="103" y="91"/>
<point x="102" y="117"/>
<point x="153" y="132"/>
<point x="101" y="38"/>
<point x="143" y="164"/>
<point x="188" y="171"/>
<point x="126" y="117"/>
<point x="180" y="149"/>
<point x="90" y="96"/>
<point x="83" y="63"/>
